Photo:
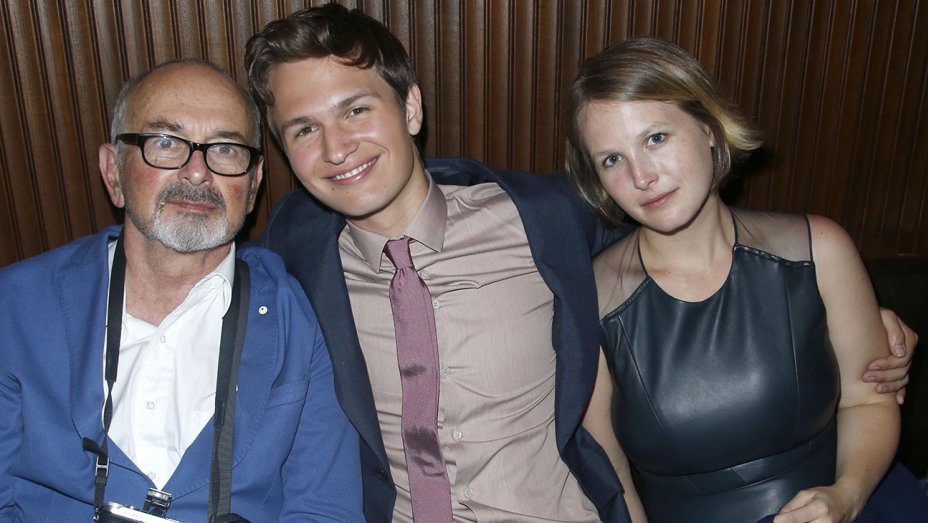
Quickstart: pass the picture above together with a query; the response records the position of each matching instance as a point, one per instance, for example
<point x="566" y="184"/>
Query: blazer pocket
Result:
<point x="288" y="393"/>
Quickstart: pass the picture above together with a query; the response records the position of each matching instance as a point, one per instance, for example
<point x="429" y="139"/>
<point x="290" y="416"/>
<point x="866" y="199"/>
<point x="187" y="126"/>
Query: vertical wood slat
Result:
<point x="837" y="86"/>
<point x="833" y="72"/>
<point x="450" y="75"/>
<point x="848" y="118"/>
<point x="24" y="52"/>
<point x="914" y="215"/>
<point x="11" y="230"/>
<point x="87" y="92"/>
<point x="768" y="88"/>
<point x="542" y="116"/>
<point x="497" y="55"/>
<point x="890" y="153"/>
<point x="873" y="147"/>
<point x="573" y="36"/>
<point x="475" y="81"/>
<point x="53" y="189"/>
<point x="522" y="87"/>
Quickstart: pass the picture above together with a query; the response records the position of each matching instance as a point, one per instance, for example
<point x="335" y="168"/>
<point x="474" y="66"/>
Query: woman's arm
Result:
<point x="598" y="422"/>
<point x="868" y="422"/>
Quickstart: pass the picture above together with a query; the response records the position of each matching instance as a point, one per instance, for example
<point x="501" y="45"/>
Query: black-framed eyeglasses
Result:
<point x="165" y="151"/>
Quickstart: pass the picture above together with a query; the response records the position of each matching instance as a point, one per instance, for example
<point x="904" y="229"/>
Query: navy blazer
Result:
<point x="562" y="234"/>
<point x="294" y="451"/>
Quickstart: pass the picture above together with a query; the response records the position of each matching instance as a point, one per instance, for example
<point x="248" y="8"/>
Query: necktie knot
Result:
<point x="398" y="252"/>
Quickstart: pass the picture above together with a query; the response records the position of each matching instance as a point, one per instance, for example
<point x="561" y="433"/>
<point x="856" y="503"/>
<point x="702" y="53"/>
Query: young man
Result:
<point x="154" y="300"/>
<point x="505" y="258"/>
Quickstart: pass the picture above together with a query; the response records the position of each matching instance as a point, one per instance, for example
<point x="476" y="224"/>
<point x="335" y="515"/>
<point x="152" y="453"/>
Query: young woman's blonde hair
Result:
<point x="652" y="69"/>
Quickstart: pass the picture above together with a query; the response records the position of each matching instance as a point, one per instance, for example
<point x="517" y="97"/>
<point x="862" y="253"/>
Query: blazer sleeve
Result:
<point x="322" y="475"/>
<point x="11" y="434"/>
<point x="11" y="402"/>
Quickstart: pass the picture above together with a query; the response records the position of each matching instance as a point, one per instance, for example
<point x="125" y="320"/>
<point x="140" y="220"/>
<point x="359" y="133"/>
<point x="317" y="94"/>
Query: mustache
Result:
<point x="190" y="193"/>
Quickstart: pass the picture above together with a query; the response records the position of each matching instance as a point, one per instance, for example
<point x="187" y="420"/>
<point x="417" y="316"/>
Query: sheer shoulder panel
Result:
<point x="619" y="273"/>
<point x="785" y="236"/>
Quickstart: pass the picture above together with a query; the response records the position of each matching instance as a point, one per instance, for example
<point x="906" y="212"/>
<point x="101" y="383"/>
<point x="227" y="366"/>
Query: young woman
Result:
<point x="735" y="339"/>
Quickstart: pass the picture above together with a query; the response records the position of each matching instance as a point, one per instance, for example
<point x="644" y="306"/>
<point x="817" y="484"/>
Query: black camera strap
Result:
<point x="230" y="355"/>
<point x="231" y="344"/>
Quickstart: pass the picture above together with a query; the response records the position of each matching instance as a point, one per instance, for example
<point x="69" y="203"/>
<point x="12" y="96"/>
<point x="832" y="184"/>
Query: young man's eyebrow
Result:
<point x="336" y="107"/>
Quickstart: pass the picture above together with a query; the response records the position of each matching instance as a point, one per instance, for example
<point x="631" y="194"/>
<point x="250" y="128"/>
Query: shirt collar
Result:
<point x="427" y="227"/>
<point x="225" y="272"/>
<point x="222" y="275"/>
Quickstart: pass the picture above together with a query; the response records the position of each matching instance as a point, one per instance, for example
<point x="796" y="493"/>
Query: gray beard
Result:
<point x="188" y="232"/>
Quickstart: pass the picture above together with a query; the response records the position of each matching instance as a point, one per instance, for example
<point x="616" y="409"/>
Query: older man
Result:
<point x="223" y="374"/>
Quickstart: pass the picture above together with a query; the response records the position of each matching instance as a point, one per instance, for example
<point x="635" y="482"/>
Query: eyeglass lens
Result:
<point x="168" y="152"/>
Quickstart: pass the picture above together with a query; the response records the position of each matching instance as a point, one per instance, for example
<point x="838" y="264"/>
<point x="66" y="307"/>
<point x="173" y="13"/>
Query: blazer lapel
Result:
<point x="310" y="251"/>
<point x="82" y="283"/>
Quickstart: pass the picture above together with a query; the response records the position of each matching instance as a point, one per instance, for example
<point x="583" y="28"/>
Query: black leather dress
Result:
<point x="725" y="407"/>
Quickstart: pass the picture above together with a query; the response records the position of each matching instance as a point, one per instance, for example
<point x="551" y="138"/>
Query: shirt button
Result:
<point x="425" y="274"/>
<point x="152" y="475"/>
<point x="468" y="492"/>
<point x="457" y="434"/>
<point x="262" y="310"/>
<point x="150" y="405"/>
<point x="162" y="338"/>
<point x="435" y="304"/>
<point x="445" y="371"/>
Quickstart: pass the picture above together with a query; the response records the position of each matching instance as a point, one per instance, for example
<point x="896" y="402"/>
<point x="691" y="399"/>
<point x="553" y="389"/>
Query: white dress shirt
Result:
<point x="166" y="384"/>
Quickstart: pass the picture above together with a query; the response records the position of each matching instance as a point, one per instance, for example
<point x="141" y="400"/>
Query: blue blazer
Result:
<point x="562" y="234"/>
<point x="294" y="456"/>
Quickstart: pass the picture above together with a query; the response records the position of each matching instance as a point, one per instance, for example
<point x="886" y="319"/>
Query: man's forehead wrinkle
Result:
<point x="164" y="124"/>
<point x="229" y="135"/>
<point x="171" y="127"/>
<point x="152" y="106"/>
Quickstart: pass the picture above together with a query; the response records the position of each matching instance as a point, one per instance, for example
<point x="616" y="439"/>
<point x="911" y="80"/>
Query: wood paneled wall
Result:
<point x="838" y="86"/>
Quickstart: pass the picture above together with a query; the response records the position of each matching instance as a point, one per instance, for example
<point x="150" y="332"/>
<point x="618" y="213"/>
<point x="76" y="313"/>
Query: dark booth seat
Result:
<point x="901" y="284"/>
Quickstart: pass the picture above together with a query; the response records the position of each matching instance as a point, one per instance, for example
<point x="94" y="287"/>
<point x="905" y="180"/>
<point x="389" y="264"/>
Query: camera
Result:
<point x="156" y="505"/>
<point x="116" y="513"/>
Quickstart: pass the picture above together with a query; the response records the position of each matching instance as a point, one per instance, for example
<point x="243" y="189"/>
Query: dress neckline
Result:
<point x="714" y="293"/>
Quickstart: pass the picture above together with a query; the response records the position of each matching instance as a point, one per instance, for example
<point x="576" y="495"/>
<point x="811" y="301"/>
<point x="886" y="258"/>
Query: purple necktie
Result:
<point x="417" y="355"/>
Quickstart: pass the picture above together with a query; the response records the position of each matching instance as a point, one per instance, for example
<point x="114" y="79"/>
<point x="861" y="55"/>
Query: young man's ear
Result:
<point x="255" y="184"/>
<point x="414" y="110"/>
<point x="109" y="171"/>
